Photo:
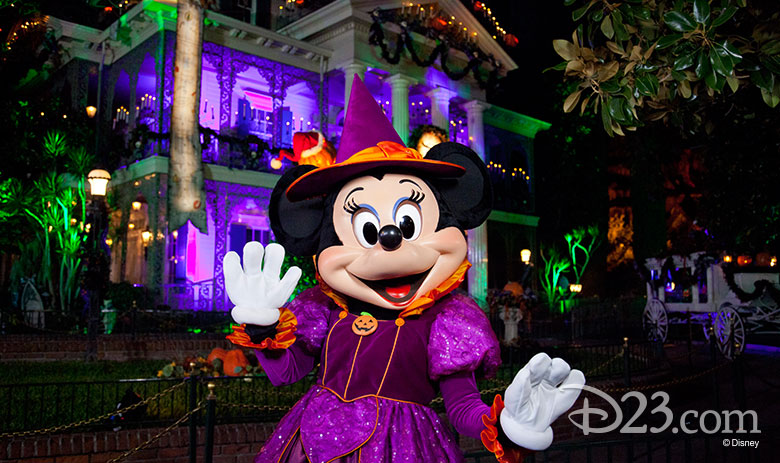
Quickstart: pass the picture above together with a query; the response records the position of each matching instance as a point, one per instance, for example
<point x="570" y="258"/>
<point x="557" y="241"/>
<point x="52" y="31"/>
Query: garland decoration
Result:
<point x="253" y="148"/>
<point x="446" y="36"/>
<point x="761" y="286"/>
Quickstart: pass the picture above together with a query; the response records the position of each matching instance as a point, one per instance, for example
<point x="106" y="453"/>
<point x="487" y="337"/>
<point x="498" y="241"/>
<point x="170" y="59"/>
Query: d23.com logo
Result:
<point x="593" y="420"/>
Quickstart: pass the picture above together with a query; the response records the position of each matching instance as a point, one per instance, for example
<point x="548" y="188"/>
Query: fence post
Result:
<point x="210" y="418"/>
<point x="714" y="357"/>
<point x="193" y="386"/>
<point x="739" y="379"/>
<point x="626" y="363"/>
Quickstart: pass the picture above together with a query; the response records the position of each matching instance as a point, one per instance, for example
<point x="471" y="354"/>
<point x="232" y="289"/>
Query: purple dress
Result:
<point x="370" y="400"/>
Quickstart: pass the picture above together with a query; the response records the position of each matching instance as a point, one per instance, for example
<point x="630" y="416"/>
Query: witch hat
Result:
<point x="368" y="142"/>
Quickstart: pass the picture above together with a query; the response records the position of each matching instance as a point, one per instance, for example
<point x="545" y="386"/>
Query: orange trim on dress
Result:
<point x="392" y="351"/>
<point x="283" y="339"/>
<point x="419" y="305"/>
<point x="489" y="436"/>
<point x="288" y="444"/>
<point x="327" y="340"/>
<point x="352" y="368"/>
<point x="345" y="400"/>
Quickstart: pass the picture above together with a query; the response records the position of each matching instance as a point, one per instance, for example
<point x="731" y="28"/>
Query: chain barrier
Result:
<point x="85" y="422"/>
<point x="158" y="435"/>
<point x="263" y="408"/>
<point x="608" y="362"/>
<point x="674" y="382"/>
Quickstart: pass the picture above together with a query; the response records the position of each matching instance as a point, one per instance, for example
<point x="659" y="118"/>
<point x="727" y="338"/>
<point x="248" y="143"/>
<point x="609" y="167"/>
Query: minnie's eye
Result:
<point x="366" y="228"/>
<point x="408" y="219"/>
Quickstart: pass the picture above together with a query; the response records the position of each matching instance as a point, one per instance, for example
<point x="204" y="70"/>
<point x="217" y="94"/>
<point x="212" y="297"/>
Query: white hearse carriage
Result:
<point x="728" y="298"/>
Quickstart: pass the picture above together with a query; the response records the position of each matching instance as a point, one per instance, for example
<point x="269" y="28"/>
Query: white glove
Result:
<point x="541" y="391"/>
<point x="258" y="294"/>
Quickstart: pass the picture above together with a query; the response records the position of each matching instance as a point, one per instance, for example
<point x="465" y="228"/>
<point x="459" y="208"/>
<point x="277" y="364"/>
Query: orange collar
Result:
<point x="420" y="304"/>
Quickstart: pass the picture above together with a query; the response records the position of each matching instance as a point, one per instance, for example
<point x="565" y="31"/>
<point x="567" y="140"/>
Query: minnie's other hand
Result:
<point x="541" y="391"/>
<point x="256" y="289"/>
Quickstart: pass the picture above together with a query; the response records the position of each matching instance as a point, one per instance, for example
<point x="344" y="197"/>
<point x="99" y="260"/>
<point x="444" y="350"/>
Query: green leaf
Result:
<point x="725" y="15"/>
<point x="558" y="67"/>
<point x="772" y="99"/>
<point x="679" y="21"/>
<point x="606" y="120"/>
<point x="577" y="14"/>
<point x="617" y="24"/>
<point x="721" y="66"/>
<point x="667" y="41"/>
<point x="763" y="79"/>
<point x="772" y="63"/>
<point x="685" y="61"/>
<point x="733" y="83"/>
<point x="647" y="84"/>
<point x="731" y="49"/>
<point x="606" y="27"/>
<point x="679" y="76"/>
<point x="714" y="80"/>
<point x="772" y="47"/>
<point x="619" y="110"/>
<point x="569" y="2"/>
<point x="703" y="66"/>
<point x="701" y="11"/>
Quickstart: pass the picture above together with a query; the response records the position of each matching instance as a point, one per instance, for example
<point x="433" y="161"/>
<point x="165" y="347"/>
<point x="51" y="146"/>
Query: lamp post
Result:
<point x="96" y="268"/>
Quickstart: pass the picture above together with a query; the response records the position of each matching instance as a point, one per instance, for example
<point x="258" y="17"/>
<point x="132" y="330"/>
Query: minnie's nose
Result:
<point x="390" y="237"/>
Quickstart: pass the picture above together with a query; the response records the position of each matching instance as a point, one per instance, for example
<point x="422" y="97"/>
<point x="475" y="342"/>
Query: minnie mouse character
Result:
<point x="387" y="229"/>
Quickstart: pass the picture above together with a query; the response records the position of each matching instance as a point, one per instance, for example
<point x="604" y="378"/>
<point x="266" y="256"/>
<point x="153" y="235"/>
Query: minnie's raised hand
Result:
<point x="256" y="289"/>
<point x="541" y="391"/>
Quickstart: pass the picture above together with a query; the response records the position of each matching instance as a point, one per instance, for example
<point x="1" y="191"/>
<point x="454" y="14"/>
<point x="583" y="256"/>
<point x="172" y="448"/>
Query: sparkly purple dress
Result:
<point x="370" y="400"/>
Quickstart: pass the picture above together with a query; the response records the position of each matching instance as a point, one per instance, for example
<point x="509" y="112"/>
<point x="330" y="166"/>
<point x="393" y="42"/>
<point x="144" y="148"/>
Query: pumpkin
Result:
<point x="217" y="353"/>
<point x="763" y="259"/>
<point x="235" y="363"/>
<point x="744" y="260"/>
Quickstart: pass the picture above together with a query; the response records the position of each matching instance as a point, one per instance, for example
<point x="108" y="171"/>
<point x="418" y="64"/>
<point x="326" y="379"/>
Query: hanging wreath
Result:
<point x="436" y="28"/>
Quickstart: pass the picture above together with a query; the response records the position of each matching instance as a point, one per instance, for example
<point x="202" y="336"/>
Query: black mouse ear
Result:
<point x="296" y="225"/>
<point x="469" y="197"/>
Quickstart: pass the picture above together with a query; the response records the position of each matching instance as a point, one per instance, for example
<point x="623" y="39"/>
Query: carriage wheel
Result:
<point x="655" y="321"/>
<point x="729" y="331"/>
<point x="708" y="326"/>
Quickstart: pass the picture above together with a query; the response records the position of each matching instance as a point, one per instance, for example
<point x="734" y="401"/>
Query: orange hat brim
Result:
<point x="385" y="155"/>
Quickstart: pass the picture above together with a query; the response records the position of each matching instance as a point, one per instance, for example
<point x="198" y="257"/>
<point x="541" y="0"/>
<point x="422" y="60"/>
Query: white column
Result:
<point x="350" y="70"/>
<point x="477" y="238"/>
<point x="400" y="89"/>
<point x="440" y="107"/>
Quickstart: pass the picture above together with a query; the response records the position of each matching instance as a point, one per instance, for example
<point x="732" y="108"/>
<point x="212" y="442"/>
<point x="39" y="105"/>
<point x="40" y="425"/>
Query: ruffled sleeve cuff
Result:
<point x="494" y="440"/>
<point x="283" y="338"/>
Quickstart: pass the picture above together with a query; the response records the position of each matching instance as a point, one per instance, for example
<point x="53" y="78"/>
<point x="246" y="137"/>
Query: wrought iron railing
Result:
<point x="189" y="295"/>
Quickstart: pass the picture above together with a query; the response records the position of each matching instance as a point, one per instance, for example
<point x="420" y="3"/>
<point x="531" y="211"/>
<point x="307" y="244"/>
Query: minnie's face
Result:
<point x="391" y="252"/>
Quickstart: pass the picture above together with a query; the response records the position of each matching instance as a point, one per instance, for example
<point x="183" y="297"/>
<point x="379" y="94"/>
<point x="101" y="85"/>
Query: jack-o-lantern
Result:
<point x="744" y="260"/>
<point x="364" y="325"/>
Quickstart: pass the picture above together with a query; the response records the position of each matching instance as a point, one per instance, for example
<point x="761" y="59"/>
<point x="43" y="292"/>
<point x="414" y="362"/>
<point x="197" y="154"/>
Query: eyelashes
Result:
<point x="417" y="197"/>
<point x="351" y="206"/>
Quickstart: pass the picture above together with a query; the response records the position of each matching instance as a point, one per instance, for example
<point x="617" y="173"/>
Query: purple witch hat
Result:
<point x="368" y="141"/>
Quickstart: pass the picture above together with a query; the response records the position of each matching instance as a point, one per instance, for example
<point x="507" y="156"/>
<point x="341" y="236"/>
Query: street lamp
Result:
<point x="525" y="256"/>
<point x="96" y="270"/>
<point x="98" y="180"/>
<point x="575" y="288"/>
<point x="91" y="111"/>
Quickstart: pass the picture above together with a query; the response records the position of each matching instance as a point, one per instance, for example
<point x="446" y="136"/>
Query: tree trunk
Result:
<point x="186" y="198"/>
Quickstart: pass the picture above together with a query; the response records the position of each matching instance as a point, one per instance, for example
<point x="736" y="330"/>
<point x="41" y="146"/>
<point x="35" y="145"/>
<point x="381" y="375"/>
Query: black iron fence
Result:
<point x="154" y="402"/>
<point x="26" y="407"/>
